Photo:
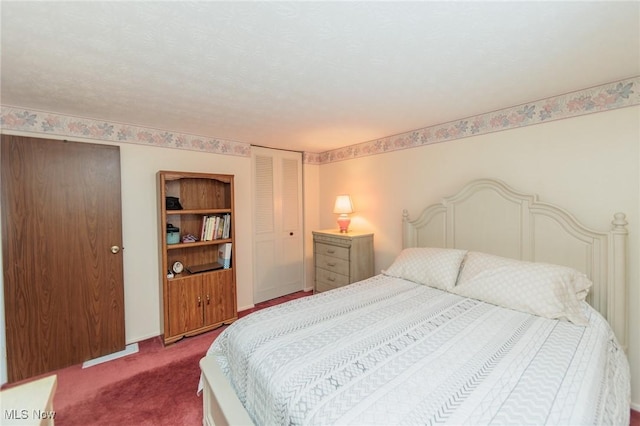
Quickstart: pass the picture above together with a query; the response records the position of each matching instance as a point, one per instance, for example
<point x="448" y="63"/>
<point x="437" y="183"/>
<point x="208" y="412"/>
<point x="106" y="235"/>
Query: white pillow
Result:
<point x="582" y="286"/>
<point x="435" y="267"/>
<point x="546" y="290"/>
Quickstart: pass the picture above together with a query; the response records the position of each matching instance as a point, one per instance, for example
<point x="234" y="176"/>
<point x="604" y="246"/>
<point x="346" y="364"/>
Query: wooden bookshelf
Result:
<point x="193" y="303"/>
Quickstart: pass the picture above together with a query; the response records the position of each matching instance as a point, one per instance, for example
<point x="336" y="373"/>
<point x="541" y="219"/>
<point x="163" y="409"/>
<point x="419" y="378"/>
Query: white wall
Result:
<point x="140" y="228"/>
<point x="4" y="375"/>
<point x="139" y="165"/>
<point x="588" y="165"/>
<point x="311" y="188"/>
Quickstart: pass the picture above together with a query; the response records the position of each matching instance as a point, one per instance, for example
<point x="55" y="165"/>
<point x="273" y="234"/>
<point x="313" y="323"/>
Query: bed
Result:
<point x="500" y="309"/>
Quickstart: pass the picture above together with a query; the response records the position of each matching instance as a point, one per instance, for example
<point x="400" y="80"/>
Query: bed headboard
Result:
<point x="489" y="216"/>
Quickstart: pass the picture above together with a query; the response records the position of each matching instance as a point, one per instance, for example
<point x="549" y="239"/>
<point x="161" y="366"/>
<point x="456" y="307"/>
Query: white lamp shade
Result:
<point x="343" y="205"/>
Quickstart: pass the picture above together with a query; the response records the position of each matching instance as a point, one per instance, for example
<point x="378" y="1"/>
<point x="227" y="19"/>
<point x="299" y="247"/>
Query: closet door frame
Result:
<point x="278" y="227"/>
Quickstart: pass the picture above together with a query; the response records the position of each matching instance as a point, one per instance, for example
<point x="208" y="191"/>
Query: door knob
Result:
<point x="115" y="249"/>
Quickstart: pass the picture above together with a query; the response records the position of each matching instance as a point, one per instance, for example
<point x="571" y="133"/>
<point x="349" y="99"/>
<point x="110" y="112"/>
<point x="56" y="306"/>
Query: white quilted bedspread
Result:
<point x="390" y="352"/>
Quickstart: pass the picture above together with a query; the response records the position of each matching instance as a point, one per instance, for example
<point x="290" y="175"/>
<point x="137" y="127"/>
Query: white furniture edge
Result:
<point x="605" y="253"/>
<point x="601" y="255"/>
<point x="220" y="406"/>
<point x="30" y="403"/>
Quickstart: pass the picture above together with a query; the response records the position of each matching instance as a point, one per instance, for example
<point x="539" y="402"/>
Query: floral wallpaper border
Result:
<point x="20" y="119"/>
<point x="606" y="97"/>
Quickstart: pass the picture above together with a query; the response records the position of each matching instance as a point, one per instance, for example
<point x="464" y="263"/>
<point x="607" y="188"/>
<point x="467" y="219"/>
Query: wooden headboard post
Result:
<point x="489" y="216"/>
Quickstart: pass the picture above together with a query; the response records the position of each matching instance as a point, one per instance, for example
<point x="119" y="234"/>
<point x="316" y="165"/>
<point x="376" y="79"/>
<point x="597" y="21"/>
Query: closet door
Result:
<point x="278" y="228"/>
<point x="61" y="239"/>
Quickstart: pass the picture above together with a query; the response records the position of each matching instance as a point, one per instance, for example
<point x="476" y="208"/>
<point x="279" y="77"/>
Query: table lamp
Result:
<point x="343" y="207"/>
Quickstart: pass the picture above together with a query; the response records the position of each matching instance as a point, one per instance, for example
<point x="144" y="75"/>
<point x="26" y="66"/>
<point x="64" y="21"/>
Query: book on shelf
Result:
<point x="219" y="227"/>
<point x="203" y="231"/>
<point x="224" y="255"/>
<point x="205" y="228"/>
<point x="215" y="227"/>
<point x="227" y="226"/>
<point x="212" y="225"/>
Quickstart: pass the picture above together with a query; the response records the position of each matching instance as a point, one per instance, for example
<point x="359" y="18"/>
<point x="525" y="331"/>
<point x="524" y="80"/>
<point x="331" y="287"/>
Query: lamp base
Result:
<point x="343" y="223"/>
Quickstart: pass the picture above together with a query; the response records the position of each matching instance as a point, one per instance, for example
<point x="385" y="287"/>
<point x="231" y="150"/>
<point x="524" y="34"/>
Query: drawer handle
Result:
<point x="331" y="251"/>
<point x="332" y="264"/>
<point x="332" y="279"/>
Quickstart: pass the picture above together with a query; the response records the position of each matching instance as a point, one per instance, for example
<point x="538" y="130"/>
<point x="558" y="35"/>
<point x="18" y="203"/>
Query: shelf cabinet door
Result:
<point x="219" y="292"/>
<point x="185" y="305"/>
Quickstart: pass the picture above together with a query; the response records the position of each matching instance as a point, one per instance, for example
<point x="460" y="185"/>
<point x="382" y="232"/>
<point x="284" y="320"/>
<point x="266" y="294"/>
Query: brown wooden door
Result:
<point x="63" y="286"/>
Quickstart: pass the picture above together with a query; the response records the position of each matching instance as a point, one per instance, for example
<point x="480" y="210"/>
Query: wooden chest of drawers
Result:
<point x="341" y="259"/>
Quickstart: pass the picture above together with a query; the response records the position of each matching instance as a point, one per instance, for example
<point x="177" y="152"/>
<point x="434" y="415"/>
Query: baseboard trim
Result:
<point x="144" y="337"/>
<point x="246" y="308"/>
<point x="635" y="407"/>
<point x="128" y="350"/>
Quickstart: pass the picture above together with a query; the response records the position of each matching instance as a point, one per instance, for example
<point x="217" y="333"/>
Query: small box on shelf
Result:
<point x="173" y="234"/>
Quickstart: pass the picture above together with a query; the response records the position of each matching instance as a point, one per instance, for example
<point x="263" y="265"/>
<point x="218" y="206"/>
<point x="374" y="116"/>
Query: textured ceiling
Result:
<point x="309" y="76"/>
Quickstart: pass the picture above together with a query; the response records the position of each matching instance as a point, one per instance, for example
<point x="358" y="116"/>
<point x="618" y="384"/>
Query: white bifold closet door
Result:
<point x="277" y="216"/>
